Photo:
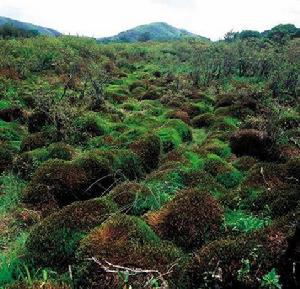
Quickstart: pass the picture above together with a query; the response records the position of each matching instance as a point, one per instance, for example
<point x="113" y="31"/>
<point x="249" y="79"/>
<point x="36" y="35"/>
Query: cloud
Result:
<point x="212" y="18"/>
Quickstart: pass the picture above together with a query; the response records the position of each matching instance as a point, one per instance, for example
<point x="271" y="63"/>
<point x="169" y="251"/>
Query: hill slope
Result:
<point x="28" y="26"/>
<point x="152" y="31"/>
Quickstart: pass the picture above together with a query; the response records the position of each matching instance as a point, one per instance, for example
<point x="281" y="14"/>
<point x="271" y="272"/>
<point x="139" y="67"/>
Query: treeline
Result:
<point x="8" y="31"/>
<point x="279" y="34"/>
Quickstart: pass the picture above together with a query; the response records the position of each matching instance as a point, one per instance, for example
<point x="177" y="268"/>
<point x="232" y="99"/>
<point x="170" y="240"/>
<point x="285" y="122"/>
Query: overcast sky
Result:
<point x="211" y="18"/>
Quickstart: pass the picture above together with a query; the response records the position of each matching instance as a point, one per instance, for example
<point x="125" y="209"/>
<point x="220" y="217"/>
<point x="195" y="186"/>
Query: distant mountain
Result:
<point x="151" y="32"/>
<point x="29" y="27"/>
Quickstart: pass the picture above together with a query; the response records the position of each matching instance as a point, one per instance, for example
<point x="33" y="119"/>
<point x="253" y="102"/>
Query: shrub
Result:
<point x="124" y="241"/>
<point x="53" y="242"/>
<point x="33" y="141"/>
<point x="191" y="219"/>
<point x="149" y="150"/>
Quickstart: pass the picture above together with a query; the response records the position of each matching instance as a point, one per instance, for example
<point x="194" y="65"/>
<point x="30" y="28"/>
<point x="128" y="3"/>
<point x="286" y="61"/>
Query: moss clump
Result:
<point x="203" y="120"/>
<point x="128" y="165"/>
<point x="33" y="141"/>
<point x="91" y="125"/>
<point x="53" y="242"/>
<point x="125" y="241"/>
<point x="37" y="120"/>
<point x="133" y="198"/>
<point x="293" y="168"/>
<point x="25" y="164"/>
<point x="7" y="152"/>
<point x="10" y="131"/>
<point x="245" y="163"/>
<point x="97" y="165"/>
<point x="149" y="150"/>
<point x="179" y="114"/>
<point x="254" y="143"/>
<point x="214" y="146"/>
<point x="11" y="114"/>
<point x="182" y="128"/>
<point x="230" y="179"/>
<point x="56" y="182"/>
<point x="61" y="151"/>
<point x="262" y="249"/>
<point x="169" y="137"/>
<point x="191" y="219"/>
<point x="215" y="165"/>
<point x="279" y="201"/>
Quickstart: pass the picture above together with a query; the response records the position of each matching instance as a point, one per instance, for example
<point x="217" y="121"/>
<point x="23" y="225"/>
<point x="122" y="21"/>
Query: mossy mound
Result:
<point x="169" y="137"/>
<point x="128" y="165"/>
<point x="7" y="153"/>
<point x="182" y="128"/>
<point x="25" y="164"/>
<point x="131" y="197"/>
<point x="203" y="120"/>
<point x="52" y="243"/>
<point x="33" y="141"/>
<point x="57" y="182"/>
<point x="61" y="151"/>
<point x="149" y="151"/>
<point x="227" y="258"/>
<point x="254" y="143"/>
<point x="192" y="218"/>
<point x="124" y="241"/>
<point x="97" y="166"/>
<point x="245" y="163"/>
<point x="37" y="120"/>
<point x="179" y="114"/>
<point x="279" y="201"/>
<point x="11" y="114"/>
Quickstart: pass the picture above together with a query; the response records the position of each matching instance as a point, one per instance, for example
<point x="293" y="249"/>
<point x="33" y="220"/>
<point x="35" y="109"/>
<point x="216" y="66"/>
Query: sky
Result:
<point x="98" y="18"/>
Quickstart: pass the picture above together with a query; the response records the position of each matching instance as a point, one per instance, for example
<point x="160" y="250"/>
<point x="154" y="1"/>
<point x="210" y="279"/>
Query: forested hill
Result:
<point x="151" y="32"/>
<point x="28" y="27"/>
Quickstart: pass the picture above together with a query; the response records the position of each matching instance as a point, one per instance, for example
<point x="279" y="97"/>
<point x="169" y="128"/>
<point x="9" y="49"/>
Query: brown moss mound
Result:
<point x="203" y="120"/>
<point x="56" y="182"/>
<point x="33" y="141"/>
<point x="127" y="194"/>
<point x="124" y="241"/>
<point x="52" y="243"/>
<point x="189" y="220"/>
<point x="11" y="114"/>
<point x="254" y="143"/>
<point x="262" y="248"/>
<point x="149" y="151"/>
<point x="36" y="121"/>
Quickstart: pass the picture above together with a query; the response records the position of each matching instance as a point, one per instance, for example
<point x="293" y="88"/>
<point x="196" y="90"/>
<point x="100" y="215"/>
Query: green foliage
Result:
<point x="230" y="179"/>
<point x="170" y="138"/>
<point x="242" y="221"/>
<point x="271" y="280"/>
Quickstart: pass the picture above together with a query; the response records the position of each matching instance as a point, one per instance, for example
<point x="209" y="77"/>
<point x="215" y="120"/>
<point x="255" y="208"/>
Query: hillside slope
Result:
<point x="29" y="27"/>
<point x="153" y="31"/>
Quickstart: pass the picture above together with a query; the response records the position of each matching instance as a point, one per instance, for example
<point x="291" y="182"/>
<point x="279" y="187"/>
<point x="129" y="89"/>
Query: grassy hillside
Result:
<point x="28" y="27"/>
<point x="151" y="32"/>
<point x="178" y="158"/>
